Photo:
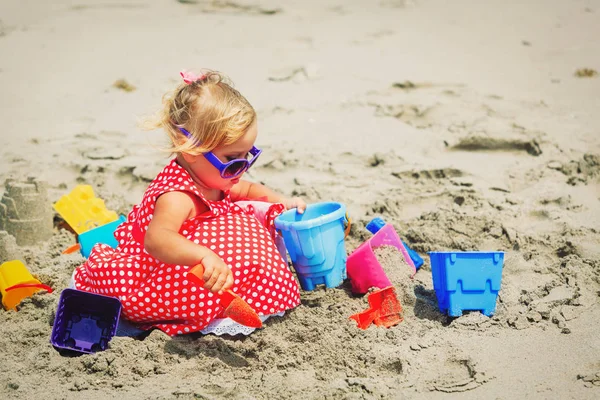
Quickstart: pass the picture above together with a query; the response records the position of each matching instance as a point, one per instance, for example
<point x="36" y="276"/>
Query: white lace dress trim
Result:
<point x="226" y="326"/>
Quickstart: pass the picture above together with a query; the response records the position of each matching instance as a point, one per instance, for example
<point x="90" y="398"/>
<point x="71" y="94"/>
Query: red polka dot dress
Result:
<point x="159" y="295"/>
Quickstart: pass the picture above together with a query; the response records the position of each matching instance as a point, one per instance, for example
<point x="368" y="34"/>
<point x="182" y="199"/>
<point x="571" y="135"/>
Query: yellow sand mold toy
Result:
<point x="17" y="283"/>
<point x="82" y="210"/>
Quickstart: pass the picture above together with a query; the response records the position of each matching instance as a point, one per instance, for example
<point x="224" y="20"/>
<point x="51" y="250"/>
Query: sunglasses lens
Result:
<point x="234" y="169"/>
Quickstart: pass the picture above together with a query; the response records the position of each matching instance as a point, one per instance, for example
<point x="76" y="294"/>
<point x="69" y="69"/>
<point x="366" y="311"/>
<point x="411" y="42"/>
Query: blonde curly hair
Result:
<point x="209" y="108"/>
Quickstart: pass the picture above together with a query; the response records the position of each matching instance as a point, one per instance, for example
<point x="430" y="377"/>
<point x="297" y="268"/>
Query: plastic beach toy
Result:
<point x="234" y="306"/>
<point x="377" y="223"/>
<point x="466" y="280"/>
<point x="82" y="210"/>
<point x="315" y="243"/>
<point x="17" y="283"/>
<point x="384" y="309"/>
<point x="85" y="322"/>
<point x="364" y="269"/>
<point x="102" y="234"/>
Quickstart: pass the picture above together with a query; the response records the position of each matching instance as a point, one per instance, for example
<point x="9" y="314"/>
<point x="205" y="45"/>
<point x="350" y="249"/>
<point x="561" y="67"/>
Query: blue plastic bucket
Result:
<point x="315" y="243"/>
<point x="466" y="280"/>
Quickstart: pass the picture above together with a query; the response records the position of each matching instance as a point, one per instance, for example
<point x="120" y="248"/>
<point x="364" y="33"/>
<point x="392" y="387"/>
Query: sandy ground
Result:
<point x="463" y="123"/>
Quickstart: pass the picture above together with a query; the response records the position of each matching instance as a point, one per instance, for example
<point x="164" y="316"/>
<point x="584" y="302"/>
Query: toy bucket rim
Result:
<point x="340" y="213"/>
<point x="70" y="290"/>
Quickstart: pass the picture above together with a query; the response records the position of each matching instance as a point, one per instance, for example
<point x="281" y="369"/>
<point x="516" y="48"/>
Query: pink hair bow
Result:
<point x="190" y="77"/>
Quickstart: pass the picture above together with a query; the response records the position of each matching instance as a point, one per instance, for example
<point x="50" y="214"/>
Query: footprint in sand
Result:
<point x="458" y="375"/>
<point x="453" y="374"/>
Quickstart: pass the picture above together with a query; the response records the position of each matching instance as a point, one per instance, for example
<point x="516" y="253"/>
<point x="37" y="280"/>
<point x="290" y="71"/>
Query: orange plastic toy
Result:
<point x="384" y="309"/>
<point x="16" y="284"/>
<point x="235" y="307"/>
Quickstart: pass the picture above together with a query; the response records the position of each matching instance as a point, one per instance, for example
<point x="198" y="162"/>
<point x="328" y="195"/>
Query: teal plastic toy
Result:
<point x="102" y="234"/>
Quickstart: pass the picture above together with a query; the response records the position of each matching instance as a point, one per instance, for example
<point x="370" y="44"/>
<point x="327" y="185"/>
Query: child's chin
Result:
<point x="227" y="185"/>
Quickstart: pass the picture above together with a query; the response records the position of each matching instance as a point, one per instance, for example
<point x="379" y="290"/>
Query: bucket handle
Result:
<point x="26" y="285"/>
<point x="348" y="225"/>
<point x="273" y="212"/>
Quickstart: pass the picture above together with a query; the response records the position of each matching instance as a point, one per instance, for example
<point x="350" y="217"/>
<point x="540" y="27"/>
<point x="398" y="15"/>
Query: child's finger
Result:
<point x="228" y="283"/>
<point x="210" y="282"/>
<point x="300" y="205"/>
<point x="222" y="279"/>
<point x="208" y="272"/>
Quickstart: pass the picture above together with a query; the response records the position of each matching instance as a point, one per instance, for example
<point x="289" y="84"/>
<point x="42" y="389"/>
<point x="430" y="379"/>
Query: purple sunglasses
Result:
<point x="232" y="168"/>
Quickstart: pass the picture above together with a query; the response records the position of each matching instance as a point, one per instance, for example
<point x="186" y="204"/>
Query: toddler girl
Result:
<point x="188" y="216"/>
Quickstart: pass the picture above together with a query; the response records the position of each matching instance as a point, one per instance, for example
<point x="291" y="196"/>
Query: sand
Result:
<point x="467" y="125"/>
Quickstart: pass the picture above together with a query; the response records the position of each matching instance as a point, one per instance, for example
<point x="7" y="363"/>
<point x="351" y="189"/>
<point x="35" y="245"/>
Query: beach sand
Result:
<point x="464" y="124"/>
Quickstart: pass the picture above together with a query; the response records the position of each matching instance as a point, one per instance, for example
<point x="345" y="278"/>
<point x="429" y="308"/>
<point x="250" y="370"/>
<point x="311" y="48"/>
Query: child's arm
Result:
<point x="256" y="191"/>
<point x="163" y="241"/>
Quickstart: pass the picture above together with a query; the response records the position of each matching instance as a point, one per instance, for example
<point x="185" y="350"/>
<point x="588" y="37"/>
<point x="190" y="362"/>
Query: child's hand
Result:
<point x="217" y="276"/>
<point x="295" y="202"/>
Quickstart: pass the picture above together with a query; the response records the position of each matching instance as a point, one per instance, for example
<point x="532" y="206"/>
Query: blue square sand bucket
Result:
<point x="315" y="243"/>
<point x="466" y="280"/>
